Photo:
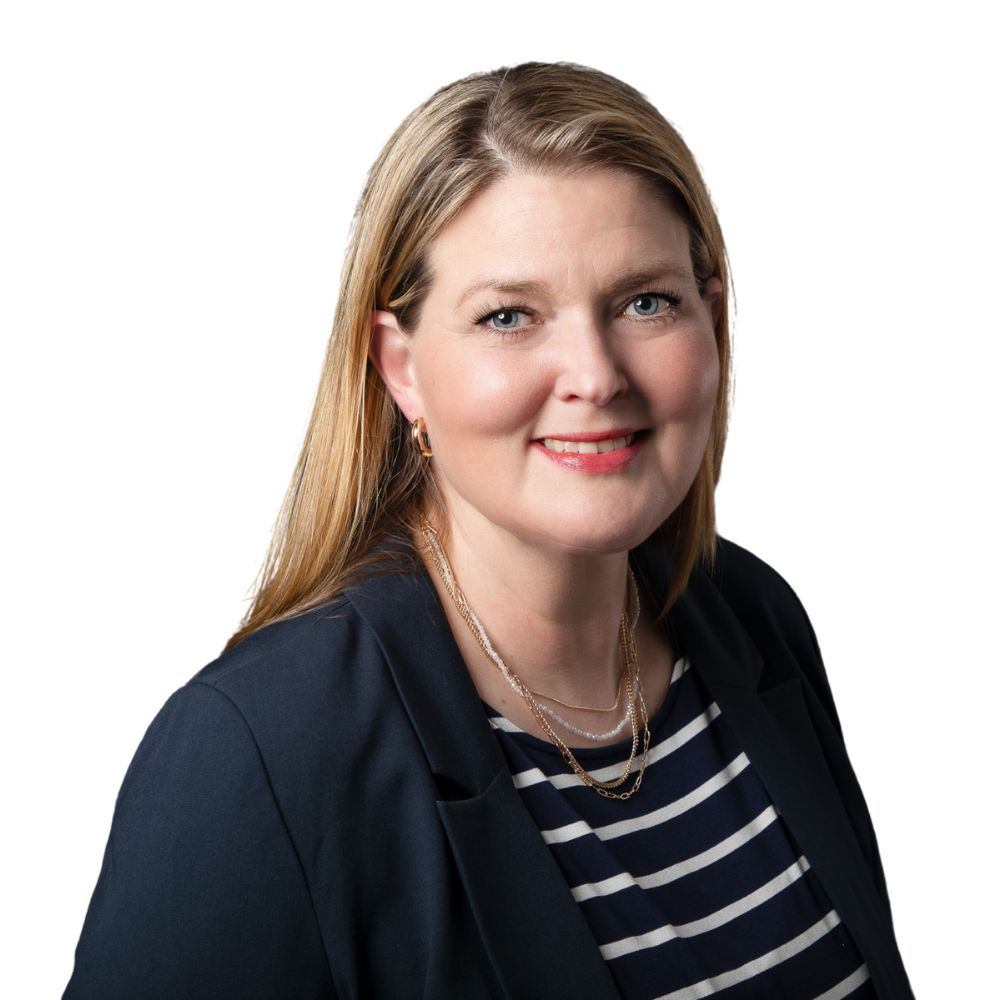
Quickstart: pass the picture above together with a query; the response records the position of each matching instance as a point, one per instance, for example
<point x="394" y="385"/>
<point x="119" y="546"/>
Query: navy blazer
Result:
<point x="324" y="811"/>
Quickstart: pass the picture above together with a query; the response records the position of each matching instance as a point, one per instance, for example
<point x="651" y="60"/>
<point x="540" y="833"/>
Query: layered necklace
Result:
<point x="635" y="709"/>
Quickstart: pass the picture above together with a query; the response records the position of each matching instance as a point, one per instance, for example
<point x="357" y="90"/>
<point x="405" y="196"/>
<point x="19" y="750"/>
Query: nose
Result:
<point x="588" y="366"/>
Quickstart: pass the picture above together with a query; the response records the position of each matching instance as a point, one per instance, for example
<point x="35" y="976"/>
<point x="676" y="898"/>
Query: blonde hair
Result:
<point x="358" y="479"/>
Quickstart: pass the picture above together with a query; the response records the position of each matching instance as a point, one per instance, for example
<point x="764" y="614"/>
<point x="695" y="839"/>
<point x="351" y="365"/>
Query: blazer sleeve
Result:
<point x="201" y="894"/>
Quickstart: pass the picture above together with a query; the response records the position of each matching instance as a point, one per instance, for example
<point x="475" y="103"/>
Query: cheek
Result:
<point x="687" y="379"/>
<point x="480" y="397"/>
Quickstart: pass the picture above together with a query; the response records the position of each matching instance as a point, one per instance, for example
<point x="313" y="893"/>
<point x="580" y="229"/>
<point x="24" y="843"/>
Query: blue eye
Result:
<point x="648" y="302"/>
<point x="649" y="308"/>
<point x="503" y="318"/>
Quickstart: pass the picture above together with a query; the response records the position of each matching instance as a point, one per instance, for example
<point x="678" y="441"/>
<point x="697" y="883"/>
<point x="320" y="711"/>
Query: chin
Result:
<point x="600" y="535"/>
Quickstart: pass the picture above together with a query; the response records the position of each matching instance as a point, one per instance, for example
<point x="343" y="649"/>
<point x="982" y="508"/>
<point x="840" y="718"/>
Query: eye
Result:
<point x="503" y="320"/>
<point x="506" y="319"/>
<point x="649" y="305"/>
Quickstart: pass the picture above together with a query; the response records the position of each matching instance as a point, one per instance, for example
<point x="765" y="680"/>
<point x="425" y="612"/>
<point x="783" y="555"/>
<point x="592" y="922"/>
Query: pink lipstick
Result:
<point x="595" y="452"/>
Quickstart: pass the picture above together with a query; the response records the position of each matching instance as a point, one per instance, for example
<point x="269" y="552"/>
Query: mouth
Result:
<point x="589" y="447"/>
<point x="602" y="452"/>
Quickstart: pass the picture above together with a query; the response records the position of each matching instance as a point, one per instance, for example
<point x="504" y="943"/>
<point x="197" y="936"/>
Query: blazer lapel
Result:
<point x="777" y="731"/>
<point x="532" y="928"/>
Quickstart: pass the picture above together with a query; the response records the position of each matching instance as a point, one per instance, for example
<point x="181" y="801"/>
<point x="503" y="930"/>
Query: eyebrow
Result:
<point x="617" y="283"/>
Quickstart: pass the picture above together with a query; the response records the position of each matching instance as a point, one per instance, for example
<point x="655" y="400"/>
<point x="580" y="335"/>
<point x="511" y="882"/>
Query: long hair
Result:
<point x="357" y="479"/>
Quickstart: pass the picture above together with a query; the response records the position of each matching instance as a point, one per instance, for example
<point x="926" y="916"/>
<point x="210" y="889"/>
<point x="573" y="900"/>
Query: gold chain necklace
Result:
<point x="633" y="686"/>
<point x="585" y="708"/>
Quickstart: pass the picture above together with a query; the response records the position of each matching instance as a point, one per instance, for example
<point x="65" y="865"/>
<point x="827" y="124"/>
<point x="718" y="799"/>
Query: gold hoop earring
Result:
<point x="418" y="437"/>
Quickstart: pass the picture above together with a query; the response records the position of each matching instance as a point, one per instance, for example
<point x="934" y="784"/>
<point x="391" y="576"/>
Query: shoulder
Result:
<point x="735" y="577"/>
<point x="278" y="647"/>
<point x="292" y="667"/>
<point x="740" y="599"/>
<point x="291" y="709"/>
<point x="742" y="604"/>
<point x="284" y="670"/>
<point x="759" y="595"/>
<point x="774" y="617"/>
<point x="281" y="700"/>
<point x="320" y="651"/>
<point x="746" y="578"/>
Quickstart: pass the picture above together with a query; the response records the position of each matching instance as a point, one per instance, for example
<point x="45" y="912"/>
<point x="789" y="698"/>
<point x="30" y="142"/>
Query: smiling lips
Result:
<point x="592" y="453"/>
<point x="588" y="447"/>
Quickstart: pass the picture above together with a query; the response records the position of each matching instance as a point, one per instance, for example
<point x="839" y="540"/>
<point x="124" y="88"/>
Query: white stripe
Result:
<point x="679" y="869"/>
<point x="500" y="722"/>
<point x="846" y="986"/>
<point x="660" y="935"/>
<point x="705" y="790"/>
<point x="569" y="832"/>
<point x="758" y="965"/>
<point x="680" y="668"/>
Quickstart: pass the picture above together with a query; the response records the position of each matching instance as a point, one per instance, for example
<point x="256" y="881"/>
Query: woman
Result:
<point x="507" y="718"/>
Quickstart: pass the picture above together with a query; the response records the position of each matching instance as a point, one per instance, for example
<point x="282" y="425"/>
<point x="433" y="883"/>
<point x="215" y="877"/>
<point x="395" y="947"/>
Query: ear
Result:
<point x="390" y="350"/>
<point x="712" y="294"/>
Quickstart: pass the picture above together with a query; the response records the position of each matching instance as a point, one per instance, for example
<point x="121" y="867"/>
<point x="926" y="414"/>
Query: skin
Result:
<point x="540" y="549"/>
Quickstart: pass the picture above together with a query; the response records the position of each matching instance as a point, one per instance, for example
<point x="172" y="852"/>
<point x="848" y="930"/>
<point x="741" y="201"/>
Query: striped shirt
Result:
<point x="694" y="887"/>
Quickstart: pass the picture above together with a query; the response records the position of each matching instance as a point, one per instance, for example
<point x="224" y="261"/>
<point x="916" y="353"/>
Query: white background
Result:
<point x="178" y="181"/>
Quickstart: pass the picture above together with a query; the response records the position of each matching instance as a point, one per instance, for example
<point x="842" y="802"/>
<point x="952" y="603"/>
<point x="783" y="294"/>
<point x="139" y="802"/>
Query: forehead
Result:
<point x="559" y="228"/>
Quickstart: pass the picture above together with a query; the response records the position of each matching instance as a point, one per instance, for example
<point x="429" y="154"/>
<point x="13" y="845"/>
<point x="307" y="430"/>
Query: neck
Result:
<point x="553" y="615"/>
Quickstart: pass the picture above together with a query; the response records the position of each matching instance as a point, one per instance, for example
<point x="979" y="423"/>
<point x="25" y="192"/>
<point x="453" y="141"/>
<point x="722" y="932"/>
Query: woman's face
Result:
<point x="565" y="361"/>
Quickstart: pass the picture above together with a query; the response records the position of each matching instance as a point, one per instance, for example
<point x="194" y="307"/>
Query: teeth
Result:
<point x="589" y="447"/>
